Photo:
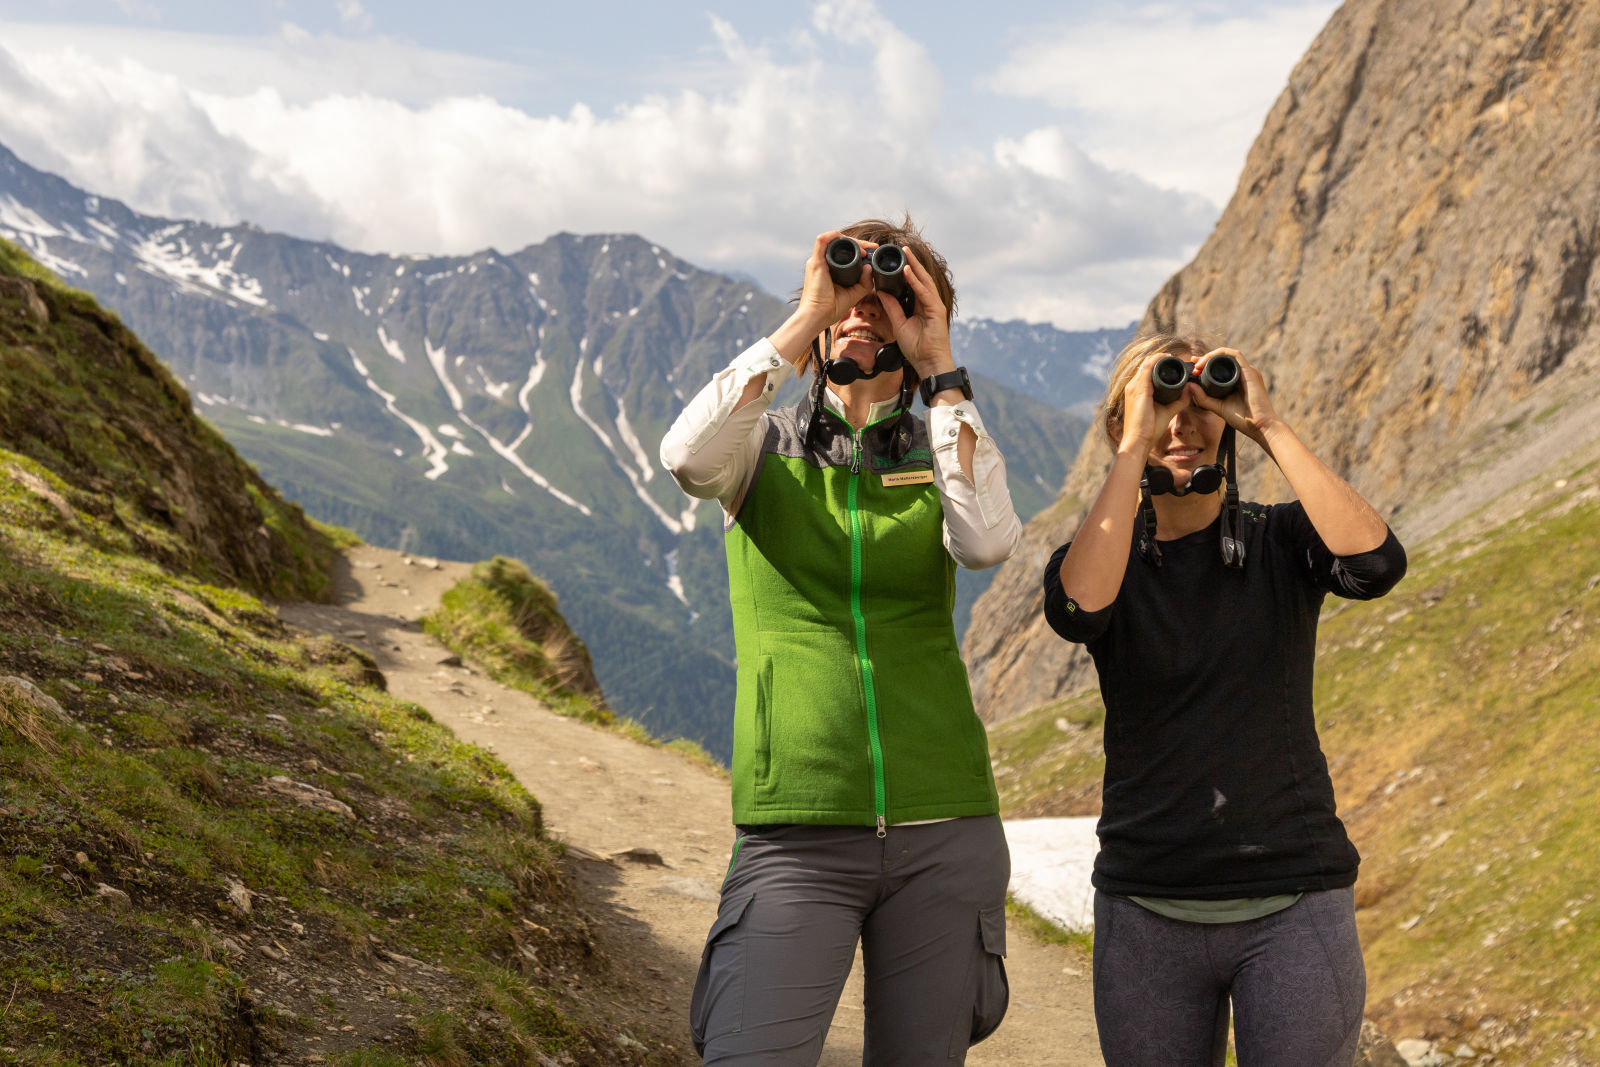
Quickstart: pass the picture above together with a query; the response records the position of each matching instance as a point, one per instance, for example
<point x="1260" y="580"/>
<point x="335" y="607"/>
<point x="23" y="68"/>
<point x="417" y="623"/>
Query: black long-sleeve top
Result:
<point x="1215" y="783"/>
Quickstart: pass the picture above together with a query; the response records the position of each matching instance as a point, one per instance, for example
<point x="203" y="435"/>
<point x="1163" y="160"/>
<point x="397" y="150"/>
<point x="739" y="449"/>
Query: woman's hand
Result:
<point x="1142" y="417"/>
<point x="821" y="302"/>
<point x="1248" y="409"/>
<point x="924" y="336"/>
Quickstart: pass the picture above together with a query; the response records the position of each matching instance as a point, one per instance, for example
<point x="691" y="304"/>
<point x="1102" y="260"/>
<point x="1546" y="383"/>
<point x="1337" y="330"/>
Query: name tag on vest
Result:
<point x="908" y="478"/>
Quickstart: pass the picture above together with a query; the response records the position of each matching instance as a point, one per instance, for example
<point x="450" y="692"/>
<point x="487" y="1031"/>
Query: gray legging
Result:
<point x="1296" y="980"/>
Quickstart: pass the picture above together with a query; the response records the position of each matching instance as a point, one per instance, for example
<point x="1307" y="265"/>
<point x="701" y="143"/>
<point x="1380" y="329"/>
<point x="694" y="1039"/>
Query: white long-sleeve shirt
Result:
<point x="713" y="445"/>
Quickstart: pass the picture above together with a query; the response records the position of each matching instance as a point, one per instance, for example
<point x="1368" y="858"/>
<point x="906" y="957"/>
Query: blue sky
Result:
<point x="1067" y="157"/>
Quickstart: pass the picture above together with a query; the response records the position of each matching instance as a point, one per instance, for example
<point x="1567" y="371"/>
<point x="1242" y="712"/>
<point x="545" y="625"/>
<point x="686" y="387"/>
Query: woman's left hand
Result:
<point x="1248" y="409"/>
<point x="924" y="336"/>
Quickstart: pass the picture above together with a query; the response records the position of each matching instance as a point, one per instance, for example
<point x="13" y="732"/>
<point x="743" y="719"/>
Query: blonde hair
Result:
<point x="1188" y="345"/>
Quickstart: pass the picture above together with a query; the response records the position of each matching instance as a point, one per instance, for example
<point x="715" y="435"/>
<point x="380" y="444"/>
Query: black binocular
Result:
<point x="888" y="262"/>
<point x="1171" y="373"/>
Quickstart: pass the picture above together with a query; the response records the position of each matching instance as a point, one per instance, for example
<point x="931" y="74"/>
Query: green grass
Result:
<point x="507" y="621"/>
<point x="1024" y="917"/>
<point x="187" y="698"/>
<point x="1049" y="761"/>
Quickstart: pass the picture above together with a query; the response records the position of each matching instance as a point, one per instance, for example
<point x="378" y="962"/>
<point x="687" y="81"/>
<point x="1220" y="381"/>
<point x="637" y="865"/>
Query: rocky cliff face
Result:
<point x="1410" y="256"/>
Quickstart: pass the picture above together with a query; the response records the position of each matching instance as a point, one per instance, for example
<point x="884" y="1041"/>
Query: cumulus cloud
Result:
<point x="739" y="178"/>
<point x="1197" y="86"/>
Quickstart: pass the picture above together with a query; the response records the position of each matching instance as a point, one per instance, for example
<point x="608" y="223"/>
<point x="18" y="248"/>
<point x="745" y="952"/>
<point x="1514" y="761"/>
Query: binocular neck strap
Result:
<point x="813" y="420"/>
<point x="1232" y="523"/>
<point x="1148" y="548"/>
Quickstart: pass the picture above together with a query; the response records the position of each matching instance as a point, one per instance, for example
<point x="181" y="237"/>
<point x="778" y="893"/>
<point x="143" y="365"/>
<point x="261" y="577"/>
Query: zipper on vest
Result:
<point x="874" y="742"/>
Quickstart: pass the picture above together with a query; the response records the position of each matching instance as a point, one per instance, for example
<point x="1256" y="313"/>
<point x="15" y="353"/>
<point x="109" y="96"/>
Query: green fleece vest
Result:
<point x="853" y="706"/>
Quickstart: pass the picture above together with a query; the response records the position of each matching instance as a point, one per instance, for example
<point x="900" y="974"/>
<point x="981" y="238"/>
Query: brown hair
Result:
<point x="1191" y="346"/>
<point x="908" y="235"/>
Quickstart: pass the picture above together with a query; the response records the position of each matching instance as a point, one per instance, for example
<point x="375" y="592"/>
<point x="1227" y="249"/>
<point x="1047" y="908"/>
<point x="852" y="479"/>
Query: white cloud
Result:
<point x="738" y="178"/>
<point x="1196" y="87"/>
<point x="353" y="15"/>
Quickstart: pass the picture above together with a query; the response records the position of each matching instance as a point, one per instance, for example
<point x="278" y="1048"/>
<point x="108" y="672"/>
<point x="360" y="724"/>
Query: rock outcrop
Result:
<point x="1410" y="255"/>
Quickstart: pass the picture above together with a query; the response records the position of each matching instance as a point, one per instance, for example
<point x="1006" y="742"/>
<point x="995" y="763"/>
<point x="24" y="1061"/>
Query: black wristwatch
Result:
<point x="950" y="379"/>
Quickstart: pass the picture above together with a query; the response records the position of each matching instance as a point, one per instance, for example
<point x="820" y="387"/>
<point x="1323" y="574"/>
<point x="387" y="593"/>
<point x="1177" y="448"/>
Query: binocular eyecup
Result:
<point x="888" y="263"/>
<point x="1171" y="374"/>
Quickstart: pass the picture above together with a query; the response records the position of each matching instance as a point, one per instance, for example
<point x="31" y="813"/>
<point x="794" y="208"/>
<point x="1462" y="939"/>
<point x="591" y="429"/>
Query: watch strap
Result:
<point x="950" y="379"/>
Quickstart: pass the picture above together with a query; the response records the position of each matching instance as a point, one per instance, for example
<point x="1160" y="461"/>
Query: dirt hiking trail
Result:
<point x="604" y="794"/>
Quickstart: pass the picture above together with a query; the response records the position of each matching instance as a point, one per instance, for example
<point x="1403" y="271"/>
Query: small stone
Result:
<point x="450" y="661"/>
<point x="649" y="857"/>
<point x="275" y="717"/>
<point x="82" y="858"/>
<point x="1418" y="1053"/>
<point x="23" y="689"/>
<point x="309" y="795"/>
<point x="116" y="898"/>
<point x="238" y="895"/>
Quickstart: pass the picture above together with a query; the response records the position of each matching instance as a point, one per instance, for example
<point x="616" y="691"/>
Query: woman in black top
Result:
<point x="1224" y="874"/>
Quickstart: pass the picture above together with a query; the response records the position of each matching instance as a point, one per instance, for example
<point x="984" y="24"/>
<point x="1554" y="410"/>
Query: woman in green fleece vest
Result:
<point x="862" y="795"/>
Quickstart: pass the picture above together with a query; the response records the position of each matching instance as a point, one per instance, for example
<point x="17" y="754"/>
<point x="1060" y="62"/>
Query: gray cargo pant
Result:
<point x="927" y="903"/>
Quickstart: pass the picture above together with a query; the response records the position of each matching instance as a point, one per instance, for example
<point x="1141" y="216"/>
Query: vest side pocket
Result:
<point x="763" y="721"/>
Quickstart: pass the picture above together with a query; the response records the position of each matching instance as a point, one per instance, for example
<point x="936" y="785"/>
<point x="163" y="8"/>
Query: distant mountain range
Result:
<point x="466" y="406"/>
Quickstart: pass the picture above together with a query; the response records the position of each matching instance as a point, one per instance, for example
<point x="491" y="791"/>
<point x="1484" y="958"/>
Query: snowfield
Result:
<point x="1051" y="860"/>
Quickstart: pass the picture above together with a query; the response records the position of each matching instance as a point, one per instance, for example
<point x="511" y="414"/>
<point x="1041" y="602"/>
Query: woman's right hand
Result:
<point x="1141" y="415"/>
<point x="822" y="303"/>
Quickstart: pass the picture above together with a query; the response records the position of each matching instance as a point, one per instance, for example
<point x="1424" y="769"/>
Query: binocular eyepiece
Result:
<point x="1171" y="373"/>
<point x="888" y="262"/>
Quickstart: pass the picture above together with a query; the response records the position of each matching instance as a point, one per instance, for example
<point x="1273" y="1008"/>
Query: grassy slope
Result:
<point x="1458" y="715"/>
<point x="507" y="621"/>
<point x="422" y="919"/>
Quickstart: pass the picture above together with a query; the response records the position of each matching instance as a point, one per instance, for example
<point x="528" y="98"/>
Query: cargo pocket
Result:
<point x="717" y="1006"/>
<point x="987" y="984"/>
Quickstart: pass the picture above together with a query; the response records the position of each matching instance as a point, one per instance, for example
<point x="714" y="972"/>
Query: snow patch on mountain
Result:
<point x="629" y="438"/>
<point x="634" y="477"/>
<point x="432" y="449"/>
<point x="168" y="253"/>
<point x="439" y="358"/>
<point x="391" y="346"/>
